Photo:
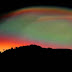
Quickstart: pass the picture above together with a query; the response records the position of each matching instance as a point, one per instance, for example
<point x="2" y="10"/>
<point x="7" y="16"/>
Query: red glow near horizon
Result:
<point x="8" y="43"/>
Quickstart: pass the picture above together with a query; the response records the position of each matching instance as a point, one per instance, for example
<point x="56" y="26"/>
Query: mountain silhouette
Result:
<point x="35" y="51"/>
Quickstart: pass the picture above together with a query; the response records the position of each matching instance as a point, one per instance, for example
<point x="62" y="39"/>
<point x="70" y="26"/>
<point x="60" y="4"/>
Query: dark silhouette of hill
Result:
<point x="35" y="51"/>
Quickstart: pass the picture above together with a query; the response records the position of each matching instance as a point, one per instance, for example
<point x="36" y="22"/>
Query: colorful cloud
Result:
<point x="44" y="26"/>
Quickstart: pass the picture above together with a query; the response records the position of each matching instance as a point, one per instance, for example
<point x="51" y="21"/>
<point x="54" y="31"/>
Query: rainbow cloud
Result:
<point x="44" y="26"/>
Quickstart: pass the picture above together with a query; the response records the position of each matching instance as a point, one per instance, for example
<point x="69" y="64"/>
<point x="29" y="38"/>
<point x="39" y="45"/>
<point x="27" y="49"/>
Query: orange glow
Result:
<point x="8" y="43"/>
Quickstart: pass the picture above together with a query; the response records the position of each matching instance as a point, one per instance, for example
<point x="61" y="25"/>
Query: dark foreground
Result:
<point x="36" y="51"/>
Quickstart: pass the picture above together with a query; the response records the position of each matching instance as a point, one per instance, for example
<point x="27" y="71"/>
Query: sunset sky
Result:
<point x="44" y="26"/>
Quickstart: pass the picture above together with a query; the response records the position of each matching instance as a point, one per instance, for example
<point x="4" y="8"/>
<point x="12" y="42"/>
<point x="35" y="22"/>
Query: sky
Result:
<point x="43" y="26"/>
